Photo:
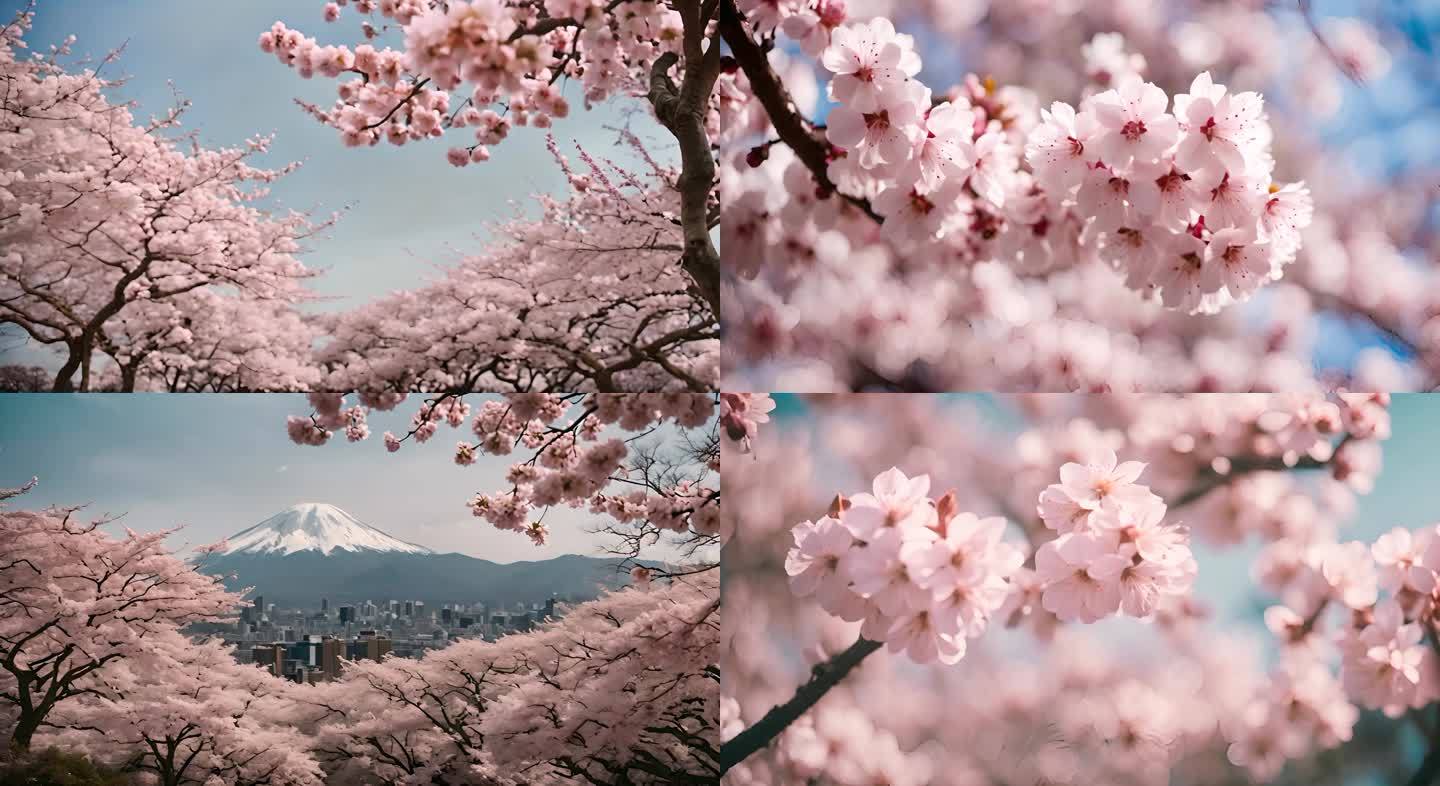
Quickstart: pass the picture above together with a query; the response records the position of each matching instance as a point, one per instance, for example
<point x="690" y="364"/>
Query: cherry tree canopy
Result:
<point x="624" y="689"/>
<point x="74" y="600"/>
<point x="471" y="72"/>
<point x="104" y="219"/>
<point x="190" y="713"/>
<point x="584" y="297"/>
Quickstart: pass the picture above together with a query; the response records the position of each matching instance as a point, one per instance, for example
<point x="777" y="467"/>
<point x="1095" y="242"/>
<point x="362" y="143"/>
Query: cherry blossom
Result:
<point x="901" y="595"/>
<point x="1047" y="258"/>
<point x="75" y="601"/>
<point x="577" y="455"/>
<point x="472" y="73"/>
<point x="120" y="240"/>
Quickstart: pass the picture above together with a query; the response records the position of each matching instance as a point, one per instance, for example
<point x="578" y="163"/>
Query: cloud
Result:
<point x="282" y="468"/>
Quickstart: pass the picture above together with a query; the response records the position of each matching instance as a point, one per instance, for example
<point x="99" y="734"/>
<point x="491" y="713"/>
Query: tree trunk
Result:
<point x="64" y="377"/>
<point x="24" y="732"/>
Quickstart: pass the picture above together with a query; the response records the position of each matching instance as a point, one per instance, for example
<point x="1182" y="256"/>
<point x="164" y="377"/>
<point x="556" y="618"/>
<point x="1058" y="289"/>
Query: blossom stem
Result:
<point x="1209" y="480"/>
<point x="810" y="148"/>
<point x="823" y="677"/>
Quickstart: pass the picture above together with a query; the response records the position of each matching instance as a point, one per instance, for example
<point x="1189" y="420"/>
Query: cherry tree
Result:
<point x="472" y="72"/>
<point x="105" y="218"/>
<point x="1090" y="207"/>
<point x="646" y="462"/>
<point x="75" y="602"/>
<point x="190" y="713"/>
<point x="584" y="297"/>
<point x="202" y="342"/>
<point x="996" y="567"/>
<point x="623" y="689"/>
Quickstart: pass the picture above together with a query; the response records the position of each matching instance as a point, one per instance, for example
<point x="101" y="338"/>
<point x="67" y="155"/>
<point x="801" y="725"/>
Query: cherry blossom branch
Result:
<point x="1210" y="479"/>
<point x="823" y="677"/>
<point x="812" y="151"/>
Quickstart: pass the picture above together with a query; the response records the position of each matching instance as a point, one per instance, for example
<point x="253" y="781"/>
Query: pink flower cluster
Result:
<point x="1301" y="708"/>
<point x="1385" y="661"/>
<point x="1113" y="553"/>
<point x="1184" y="203"/>
<point x="1181" y="203"/>
<point x="921" y="575"/>
<point x="510" y="56"/>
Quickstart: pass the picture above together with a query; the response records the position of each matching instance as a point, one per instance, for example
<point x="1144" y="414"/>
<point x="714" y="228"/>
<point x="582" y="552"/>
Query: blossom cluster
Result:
<point x="510" y="56"/>
<point x="1033" y="295"/>
<point x="1384" y="641"/>
<point x="577" y="451"/>
<point x="1112" y="553"/>
<point x="922" y="576"/>
<point x="1182" y="204"/>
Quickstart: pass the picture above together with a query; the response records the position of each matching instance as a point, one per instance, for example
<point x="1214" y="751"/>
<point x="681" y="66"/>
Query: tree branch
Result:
<point x="682" y="111"/>
<point x="1210" y="480"/>
<point x="823" y="677"/>
<point x="812" y="151"/>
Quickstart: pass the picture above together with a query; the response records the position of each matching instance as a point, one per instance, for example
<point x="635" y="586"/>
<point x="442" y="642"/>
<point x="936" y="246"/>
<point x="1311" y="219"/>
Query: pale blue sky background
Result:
<point x="409" y="209"/>
<point x="1405" y="493"/>
<point x="222" y="463"/>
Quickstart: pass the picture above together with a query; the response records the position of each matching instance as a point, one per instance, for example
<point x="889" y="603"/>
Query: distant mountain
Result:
<point x="315" y="551"/>
<point x="315" y="526"/>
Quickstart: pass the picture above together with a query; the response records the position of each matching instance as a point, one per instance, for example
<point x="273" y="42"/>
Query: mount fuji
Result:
<point x="314" y="550"/>
<point x="315" y="526"/>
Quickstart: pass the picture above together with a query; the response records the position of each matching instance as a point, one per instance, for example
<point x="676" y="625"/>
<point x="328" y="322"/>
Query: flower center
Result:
<point x="1133" y="130"/>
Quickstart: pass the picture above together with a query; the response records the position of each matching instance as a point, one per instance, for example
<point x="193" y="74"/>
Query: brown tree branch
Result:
<point x="823" y="677"/>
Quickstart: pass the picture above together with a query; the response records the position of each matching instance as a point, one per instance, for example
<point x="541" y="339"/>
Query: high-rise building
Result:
<point x="549" y="608"/>
<point x="271" y="656"/>
<point x="410" y="608"/>
<point x="331" y="649"/>
<point x="347" y="614"/>
<point x="371" y="646"/>
<point x="325" y="605"/>
<point x="259" y="607"/>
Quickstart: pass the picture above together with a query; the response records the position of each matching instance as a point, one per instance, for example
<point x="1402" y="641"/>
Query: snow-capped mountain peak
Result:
<point x="315" y="526"/>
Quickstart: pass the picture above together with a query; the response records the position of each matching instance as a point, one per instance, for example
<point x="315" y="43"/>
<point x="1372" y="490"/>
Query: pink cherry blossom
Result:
<point x="1133" y="124"/>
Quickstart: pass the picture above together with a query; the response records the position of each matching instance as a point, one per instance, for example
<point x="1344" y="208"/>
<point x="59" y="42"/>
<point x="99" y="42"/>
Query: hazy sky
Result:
<point x="222" y="463"/>
<point x="409" y="209"/>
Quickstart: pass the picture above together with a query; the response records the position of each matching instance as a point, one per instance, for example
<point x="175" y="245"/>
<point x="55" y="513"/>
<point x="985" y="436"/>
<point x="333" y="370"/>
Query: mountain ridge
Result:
<point x="300" y="577"/>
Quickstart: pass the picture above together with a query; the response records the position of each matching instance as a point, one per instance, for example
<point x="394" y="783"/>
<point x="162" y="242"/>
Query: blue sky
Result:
<point x="221" y="463"/>
<point x="1404" y="493"/>
<point x="408" y="209"/>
